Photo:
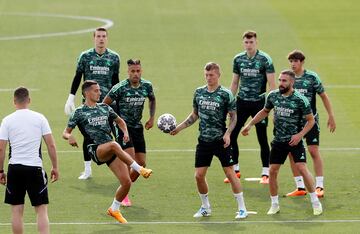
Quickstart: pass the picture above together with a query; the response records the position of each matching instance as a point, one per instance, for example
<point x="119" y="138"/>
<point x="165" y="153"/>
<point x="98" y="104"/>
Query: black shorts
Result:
<point x="313" y="136"/>
<point x="92" y="151"/>
<point x="137" y="139"/>
<point x="245" y="109"/>
<point x="206" y="150"/>
<point x="22" y="179"/>
<point x="280" y="150"/>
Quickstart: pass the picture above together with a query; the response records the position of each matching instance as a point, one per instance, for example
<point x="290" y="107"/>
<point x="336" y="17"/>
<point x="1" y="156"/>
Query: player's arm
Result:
<point x="69" y="137"/>
<point x="122" y="125"/>
<point x="70" y="102"/>
<point x="50" y="144"/>
<point x="107" y="100"/>
<point x="190" y="120"/>
<point x="258" y="117"/>
<point x="327" y="104"/>
<point x="3" y="144"/>
<point x="271" y="80"/>
<point x="295" y="139"/>
<point x="235" y="83"/>
<point x="232" y="124"/>
<point x="152" y="106"/>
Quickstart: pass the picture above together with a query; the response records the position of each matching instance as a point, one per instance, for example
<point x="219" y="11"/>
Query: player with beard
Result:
<point x="290" y="107"/>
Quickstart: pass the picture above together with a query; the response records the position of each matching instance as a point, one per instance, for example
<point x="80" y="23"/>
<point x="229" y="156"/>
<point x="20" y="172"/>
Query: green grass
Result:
<point x="174" y="39"/>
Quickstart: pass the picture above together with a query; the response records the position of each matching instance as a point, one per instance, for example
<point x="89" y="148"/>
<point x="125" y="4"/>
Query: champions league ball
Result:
<point x="166" y="122"/>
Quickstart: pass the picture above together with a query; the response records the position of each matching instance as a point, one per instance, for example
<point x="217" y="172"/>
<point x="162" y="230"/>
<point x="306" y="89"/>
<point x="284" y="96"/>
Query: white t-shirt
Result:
<point x="24" y="130"/>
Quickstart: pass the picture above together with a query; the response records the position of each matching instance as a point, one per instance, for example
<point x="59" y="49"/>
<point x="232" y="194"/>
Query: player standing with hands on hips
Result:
<point x="102" y="65"/>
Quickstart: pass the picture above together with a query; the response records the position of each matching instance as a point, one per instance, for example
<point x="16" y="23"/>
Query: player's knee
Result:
<point x="199" y="176"/>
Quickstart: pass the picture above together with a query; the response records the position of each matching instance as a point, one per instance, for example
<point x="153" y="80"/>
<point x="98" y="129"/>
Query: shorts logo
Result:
<point x="315" y="140"/>
<point x="302" y="156"/>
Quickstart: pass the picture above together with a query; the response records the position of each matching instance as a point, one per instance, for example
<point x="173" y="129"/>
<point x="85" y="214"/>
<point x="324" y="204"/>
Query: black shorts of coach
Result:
<point x="30" y="179"/>
<point x="280" y="150"/>
<point x="137" y="139"/>
<point x="206" y="150"/>
<point x="92" y="151"/>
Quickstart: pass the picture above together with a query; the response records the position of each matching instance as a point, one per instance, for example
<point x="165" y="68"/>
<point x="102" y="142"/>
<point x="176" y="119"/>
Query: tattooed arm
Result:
<point x="186" y="123"/>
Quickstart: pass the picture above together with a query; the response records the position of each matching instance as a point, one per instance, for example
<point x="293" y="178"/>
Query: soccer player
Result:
<point x="93" y="120"/>
<point x="252" y="70"/>
<point x="211" y="104"/>
<point x="309" y="84"/>
<point x="102" y="65"/>
<point x="24" y="130"/>
<point x="290" y="107"/>
<point x="130" y="96"/>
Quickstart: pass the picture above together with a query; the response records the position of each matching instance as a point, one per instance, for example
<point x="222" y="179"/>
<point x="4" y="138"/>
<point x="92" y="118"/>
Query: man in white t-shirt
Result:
<point x="24" y="130"/>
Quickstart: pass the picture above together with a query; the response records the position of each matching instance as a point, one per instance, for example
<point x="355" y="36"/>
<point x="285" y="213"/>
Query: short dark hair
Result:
<point x="296" y="55"/>
<point x="212" y="66"/>
<point x="21" y="94"/>
<point x="133" y="62"/>
<point x="249" y="34"/>
<point x="289" y="73"/>
<point x="101" y="29"/>
<point x="86" y="85"/>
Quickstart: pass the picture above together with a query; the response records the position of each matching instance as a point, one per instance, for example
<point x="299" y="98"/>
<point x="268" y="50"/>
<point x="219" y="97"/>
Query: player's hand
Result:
<point x="295" y="139"/>
<point x="54" y="175"/>
<point x="72" y="141"/>
<point x="226" y="139"/>
<point x="175" y="131"/>
<point x="149" y="124"/>
<point x="245" y="130"/>
<point x="331" y="124"/>
<point x="70" y="104"/>
<point x="3" y="178"/>
<point x="126" y="137"/>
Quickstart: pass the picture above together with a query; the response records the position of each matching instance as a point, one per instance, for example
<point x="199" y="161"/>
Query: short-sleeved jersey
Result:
<point x="94" y="122"/>
<point x="309" y="84"/>
<point x="212" y="109"/>
<point x="130" y="100"/>
<point x="288" y="113"/>
<point x="252" y="73"/>
<point x="100" y="68"/>
<point x="24" y="130"/>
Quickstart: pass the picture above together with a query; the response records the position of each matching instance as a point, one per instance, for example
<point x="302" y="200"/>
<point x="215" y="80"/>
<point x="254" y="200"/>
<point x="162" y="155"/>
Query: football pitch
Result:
<point x="40" y="41"/>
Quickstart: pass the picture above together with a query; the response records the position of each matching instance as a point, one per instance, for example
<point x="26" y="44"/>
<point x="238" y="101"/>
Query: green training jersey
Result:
<point x="288" y="113"/>
<point x="94" y="122"/>
<point x="130" y="100"/>
<point x="100" y="68"/>
<point x="309" y="84"/>
<point x="252" y="73"/>
<point x="212" y="109"/>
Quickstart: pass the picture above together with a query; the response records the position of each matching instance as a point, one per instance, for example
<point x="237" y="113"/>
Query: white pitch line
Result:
<point x="193" y="150"/>
<point x="202" y="222"/>
<point x="108" y="23"/>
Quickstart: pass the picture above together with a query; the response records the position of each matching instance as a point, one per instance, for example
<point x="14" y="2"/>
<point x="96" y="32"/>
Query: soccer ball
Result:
<point x="166" y="122"/>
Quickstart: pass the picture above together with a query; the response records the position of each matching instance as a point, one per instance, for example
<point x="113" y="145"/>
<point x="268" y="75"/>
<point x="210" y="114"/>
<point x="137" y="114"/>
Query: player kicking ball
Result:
<point x="93" y="120"/>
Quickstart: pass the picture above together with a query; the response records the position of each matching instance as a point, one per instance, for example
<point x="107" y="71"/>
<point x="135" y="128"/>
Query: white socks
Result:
<point x="240" y="200"/>
<point x="135" y="166"/>
<point x="236" y="167"/>
<point x="265" y="171"/>
<point x="115" y="205"/>
<point x="319" y="181"/>
<point x="87" y="165"/>
<point x="299" y="182"/>
<point x="274" y="200"/>
<point x="204" y="200"/>
<point x="314" y="199"/>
